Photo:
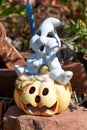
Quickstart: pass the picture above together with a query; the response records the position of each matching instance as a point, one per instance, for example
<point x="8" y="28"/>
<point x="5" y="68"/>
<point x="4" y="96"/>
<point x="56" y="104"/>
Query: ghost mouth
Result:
<point x="29" y="107"/>
<point x="42" y="48"/>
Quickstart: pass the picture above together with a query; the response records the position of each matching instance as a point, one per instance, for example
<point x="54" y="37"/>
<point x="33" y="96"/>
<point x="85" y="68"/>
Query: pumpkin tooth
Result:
<point x="30" y="107"/>
<point x="41" y="109"/>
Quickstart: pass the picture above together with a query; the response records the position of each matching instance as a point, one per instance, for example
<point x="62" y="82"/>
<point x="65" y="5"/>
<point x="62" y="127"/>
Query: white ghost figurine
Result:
<point x="46" y="44"/>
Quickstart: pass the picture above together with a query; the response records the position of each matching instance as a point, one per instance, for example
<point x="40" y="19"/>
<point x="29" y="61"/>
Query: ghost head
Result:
<point x="46" y="38"/>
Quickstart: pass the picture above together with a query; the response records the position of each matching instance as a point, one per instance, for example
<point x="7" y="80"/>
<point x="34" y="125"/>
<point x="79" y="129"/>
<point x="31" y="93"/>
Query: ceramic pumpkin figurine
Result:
<point x="43" y="87"/>
<point x="41" y="97"/>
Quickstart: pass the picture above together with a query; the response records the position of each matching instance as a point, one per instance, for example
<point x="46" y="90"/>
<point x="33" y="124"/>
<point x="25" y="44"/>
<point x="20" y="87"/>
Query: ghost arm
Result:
<point x="56" y="71"/>
<point x="33" y="64"/>
<point x="53" y="62"/>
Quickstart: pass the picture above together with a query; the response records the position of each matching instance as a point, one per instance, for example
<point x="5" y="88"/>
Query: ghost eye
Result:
<point x="39" y="33"/>
<point x="45" y="91"/>
<point x="49" y="34"/>
<point x="32" y="90"/>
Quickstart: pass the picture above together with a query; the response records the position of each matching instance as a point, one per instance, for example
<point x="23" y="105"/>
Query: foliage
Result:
<point x="74" y="0"/>
<point x="78" y="30"/>
<point x="8" y="9"/>
<point x="12" y="10"/>
<point x="25" y="45"/>
<point x="2" y="2"/>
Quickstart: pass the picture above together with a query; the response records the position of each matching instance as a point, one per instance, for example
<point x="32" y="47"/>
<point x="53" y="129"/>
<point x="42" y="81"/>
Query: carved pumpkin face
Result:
<point x="41" y="97"/>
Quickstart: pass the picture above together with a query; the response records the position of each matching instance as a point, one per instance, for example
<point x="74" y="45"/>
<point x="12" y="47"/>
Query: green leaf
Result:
<point x="2" y="2"/>
<point x="64" y="1"/>
<point x="71" y="39"/>
<point x="12" y="10"/>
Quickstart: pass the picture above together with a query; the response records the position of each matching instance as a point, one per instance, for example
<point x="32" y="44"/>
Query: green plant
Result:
<point x="2" y="2"/>
<point x="78" y="30"/>
<point x="7" y="8"/>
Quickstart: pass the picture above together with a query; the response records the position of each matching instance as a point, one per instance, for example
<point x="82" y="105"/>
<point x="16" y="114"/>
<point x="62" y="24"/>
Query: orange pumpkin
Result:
<point x="45" y="97"/>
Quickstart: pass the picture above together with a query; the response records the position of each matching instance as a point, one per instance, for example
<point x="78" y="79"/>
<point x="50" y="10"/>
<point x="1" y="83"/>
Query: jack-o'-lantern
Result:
<point x="44" y="97"/>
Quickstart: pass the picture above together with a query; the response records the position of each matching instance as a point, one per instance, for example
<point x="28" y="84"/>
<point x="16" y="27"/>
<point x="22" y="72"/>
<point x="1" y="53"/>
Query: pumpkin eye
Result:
<point x="45" y="91"/>
<point x="32" y="90"/>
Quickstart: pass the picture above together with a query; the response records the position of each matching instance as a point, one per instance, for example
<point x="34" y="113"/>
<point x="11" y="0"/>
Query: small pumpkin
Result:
<point x="45" y="97"/>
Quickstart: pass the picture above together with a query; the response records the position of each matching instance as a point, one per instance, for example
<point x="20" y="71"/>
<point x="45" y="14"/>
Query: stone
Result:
<point x="7" y="82"/>
<point x="8" y="77"/>
<point x="8" y="52"/>
<point x="2" y="32"/>
<point x="15" y="119"/>
<point x="79" y="79"/>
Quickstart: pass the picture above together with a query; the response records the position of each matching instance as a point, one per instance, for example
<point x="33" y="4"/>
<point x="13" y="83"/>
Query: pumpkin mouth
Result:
<point x="29" y="107"/>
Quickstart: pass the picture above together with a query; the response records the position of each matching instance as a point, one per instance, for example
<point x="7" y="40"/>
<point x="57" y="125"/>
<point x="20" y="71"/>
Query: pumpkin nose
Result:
<point x="37" y="99"/>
